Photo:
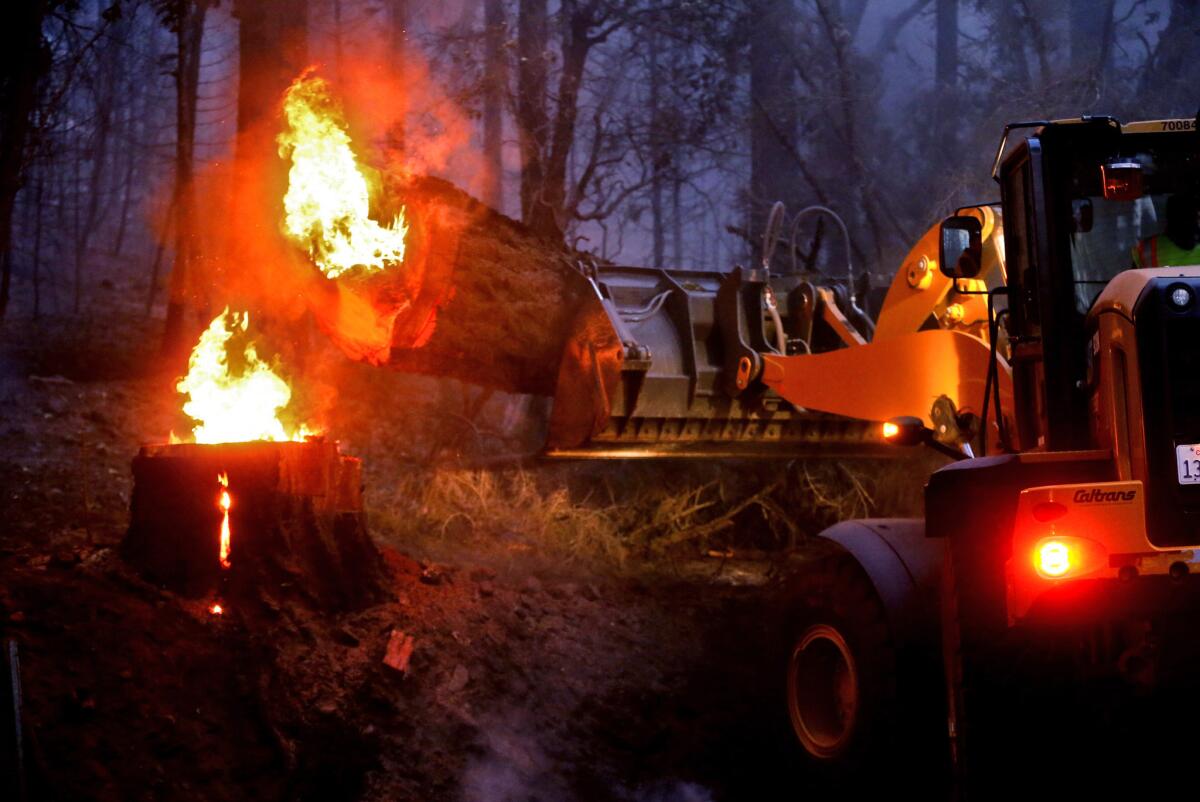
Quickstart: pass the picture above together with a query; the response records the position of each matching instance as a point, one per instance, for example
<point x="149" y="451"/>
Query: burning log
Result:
<point x="413" y="272"/>
<point x="240" y="520"/>
<point x="500" y="298"/>
<point x="479" y="297"/>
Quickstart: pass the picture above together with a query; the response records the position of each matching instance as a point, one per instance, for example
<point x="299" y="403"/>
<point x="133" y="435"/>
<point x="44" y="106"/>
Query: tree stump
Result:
<point x="296" y="523"/>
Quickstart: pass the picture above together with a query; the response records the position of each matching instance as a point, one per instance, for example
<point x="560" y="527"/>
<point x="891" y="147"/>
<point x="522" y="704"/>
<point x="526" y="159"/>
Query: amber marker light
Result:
<point x="890" y="430"/>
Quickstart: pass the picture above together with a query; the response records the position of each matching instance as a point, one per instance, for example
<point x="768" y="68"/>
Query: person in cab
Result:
<point x="1179" y="244"/>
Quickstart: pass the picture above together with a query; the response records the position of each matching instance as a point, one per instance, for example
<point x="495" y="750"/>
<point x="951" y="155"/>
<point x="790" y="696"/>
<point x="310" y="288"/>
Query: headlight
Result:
<point x="1180" y="295"/>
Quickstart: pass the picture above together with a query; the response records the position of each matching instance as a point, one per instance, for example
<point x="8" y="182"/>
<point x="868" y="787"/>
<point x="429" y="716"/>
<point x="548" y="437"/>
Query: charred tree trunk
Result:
<point x="23" y="62"/>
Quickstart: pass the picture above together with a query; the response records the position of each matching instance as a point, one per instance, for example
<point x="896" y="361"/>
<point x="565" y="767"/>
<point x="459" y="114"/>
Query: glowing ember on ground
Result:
<point x="216" y="609"/>
<point x="225" y="502"/>
<point x="233" y="408"/>
<point x="327" y="204"/>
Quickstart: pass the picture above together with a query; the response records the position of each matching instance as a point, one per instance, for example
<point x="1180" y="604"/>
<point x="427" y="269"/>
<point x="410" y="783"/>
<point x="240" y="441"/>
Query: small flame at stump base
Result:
<point x="225" y="502"/>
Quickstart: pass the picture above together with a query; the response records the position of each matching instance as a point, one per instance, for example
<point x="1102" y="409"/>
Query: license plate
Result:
<point x="1187" y="462"/>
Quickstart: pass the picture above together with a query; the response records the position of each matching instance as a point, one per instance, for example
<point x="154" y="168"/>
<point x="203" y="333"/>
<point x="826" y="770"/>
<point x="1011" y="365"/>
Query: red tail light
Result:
<point x="1063" y="557"/>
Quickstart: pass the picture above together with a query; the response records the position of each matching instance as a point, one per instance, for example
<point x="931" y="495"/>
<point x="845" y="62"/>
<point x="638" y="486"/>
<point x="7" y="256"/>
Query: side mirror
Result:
<point x="960" y="249"/>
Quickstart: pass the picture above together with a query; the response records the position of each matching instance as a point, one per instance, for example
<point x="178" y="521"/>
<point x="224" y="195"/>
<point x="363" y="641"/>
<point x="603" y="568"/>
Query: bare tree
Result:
<point x="533" y="42"/>
<point x="946" y="73"/>
<point x="186" y="20"/>
<point x="23" y="61"/>
<point x="495" y="80"/>
<point x="773" y="110"/>
<point x="1168" y="83"/>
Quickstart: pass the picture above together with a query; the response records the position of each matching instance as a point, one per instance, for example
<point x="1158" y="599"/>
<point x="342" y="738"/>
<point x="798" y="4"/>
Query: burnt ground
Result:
<point x="535" y="673"/>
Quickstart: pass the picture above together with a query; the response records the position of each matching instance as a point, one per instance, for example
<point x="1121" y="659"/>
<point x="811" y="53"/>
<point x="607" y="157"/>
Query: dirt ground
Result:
<point x="532" y="676"/>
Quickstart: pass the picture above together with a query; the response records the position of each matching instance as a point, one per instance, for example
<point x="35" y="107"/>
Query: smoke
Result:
<point x="516" y="766"/>
<point x="513" y="766"/>
<point x="401" y="125"/>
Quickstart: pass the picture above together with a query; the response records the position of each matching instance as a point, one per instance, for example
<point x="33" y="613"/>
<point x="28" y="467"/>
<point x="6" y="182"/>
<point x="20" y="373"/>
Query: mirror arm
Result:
<point x="991" y="385"/>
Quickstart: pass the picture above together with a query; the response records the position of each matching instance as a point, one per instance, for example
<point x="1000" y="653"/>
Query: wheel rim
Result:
<point x="823" y="695"/>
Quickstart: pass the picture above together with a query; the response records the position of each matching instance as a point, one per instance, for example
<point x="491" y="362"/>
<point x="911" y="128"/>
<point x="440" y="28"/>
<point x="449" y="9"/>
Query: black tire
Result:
<point x="958" y="725"/>
<point x="840" y="691"/>
<point x="977" y="691"/>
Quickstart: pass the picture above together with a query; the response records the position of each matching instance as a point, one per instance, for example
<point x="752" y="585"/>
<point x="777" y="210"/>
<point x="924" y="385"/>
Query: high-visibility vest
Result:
<point x="1160" y="251"/>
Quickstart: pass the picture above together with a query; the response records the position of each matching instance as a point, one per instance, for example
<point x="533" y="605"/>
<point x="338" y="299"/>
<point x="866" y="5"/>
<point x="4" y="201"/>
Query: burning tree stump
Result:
<point x="295" y="522"/>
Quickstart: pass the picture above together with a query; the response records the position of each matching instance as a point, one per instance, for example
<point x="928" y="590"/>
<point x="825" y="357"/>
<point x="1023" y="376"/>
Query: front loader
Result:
<point x="1051" y="581"/>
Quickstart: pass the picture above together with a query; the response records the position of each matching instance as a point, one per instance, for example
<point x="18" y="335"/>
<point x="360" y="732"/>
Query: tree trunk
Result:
<point x="547" y="215"/>
<point x="772" y="111"/>
<point x="656" y="156"/>
<point x="493" y="103"/>
<point x="400" y="20"/>
<point x="189" y="40"/>
<point x="1168" y="84"/>
<point x="273" y="49"/>
<point x="677" y="221"/>
<point x="23" y="62"/>
<point x="531" y="117"/>
<point x="946" y="78"/>
<point x="1091" y="31"/>
<point x="1011" y="41"/>
<point x="37" y="246"/>
<point x="99" y="150"/>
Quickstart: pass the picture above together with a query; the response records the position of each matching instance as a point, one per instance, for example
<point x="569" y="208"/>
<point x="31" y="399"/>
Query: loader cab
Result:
<point x="1078" y="197"/>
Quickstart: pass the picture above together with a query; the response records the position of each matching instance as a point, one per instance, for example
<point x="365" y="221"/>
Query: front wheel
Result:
<point x="823" y="691"/>
<point x="841" y="669"/>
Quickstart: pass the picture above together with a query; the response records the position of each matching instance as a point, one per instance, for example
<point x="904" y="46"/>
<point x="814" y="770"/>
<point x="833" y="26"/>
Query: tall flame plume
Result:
<point x="229" y="407"/>
<point x="327" y="205"/>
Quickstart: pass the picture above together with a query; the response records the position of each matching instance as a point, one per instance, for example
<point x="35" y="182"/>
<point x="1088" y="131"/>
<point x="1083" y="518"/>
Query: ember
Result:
<point x="216" y="609"/>
<point x="224" y="503"/>
<point x="327" y="203"/>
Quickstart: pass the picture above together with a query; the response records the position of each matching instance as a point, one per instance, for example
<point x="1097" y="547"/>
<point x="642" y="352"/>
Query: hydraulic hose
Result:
<point x="850" y="293"/>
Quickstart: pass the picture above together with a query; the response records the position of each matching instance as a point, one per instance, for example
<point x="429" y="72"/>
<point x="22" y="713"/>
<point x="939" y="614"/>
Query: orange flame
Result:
<point x="225" y="502"/>
<point x="327" y="205"/>
<point x="216" y="609"/>
<point x="234" y="408"/>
